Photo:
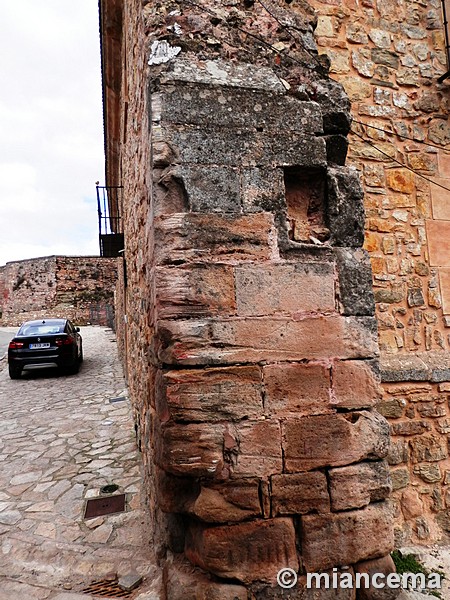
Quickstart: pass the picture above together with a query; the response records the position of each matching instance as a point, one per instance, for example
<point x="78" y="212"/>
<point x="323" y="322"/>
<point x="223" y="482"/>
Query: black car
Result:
<point x="47" y="343"/>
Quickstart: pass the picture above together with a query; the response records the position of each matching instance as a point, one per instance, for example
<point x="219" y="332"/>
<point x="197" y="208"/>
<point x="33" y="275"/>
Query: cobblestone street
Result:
<point x="61" y="441"/>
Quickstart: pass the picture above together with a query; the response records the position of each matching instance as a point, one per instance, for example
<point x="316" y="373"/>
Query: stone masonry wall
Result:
<point x="77" y="287"/>
<point x="250" y="339"/>
<point x="388" y="55"/>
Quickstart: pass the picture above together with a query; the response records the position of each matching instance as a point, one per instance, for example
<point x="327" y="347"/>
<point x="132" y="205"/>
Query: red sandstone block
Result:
<point x="300" y="494"/>
<point x="341" y="539"/>
<point x="224" y="502"/>
<point x="358" y="485"/>
<point x="185" y="583"/>
<point x="258" y="449"/>
<point x="223" y="341"/>
<point x="334" y="440"/>
<point x="227" y="502"/>
<point x="209" y="394"/>
<point x="285" y="289"/>
<point x="355" y="384"/>
<point x="196" y="291"/>
<point x="383" y="565"/>
<point x="303" y="389"/>
<point x="253" y="551"/>
<point x="174" y="494"/>
<point x="194" y="450"/>
<point x="214" y="238"/>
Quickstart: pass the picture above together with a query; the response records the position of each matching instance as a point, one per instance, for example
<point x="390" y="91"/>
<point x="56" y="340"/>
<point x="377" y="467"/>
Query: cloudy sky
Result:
<point x="51" y="144"/>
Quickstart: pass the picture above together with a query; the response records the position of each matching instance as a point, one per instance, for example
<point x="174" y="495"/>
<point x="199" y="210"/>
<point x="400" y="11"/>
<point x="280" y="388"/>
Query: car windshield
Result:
<point x="41" y="329"/>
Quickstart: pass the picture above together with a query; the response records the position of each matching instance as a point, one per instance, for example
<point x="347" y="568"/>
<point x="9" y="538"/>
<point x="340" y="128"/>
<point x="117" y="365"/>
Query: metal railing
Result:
<point x="445" y="11"/>
<point x="110" y="224"/>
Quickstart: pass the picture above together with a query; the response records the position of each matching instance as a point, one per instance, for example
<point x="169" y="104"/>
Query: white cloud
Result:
<point x="51" y="122"/>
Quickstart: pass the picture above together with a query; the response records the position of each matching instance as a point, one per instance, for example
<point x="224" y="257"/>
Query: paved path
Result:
<point x="61" y="440"/>
<point x="6" y="334"/>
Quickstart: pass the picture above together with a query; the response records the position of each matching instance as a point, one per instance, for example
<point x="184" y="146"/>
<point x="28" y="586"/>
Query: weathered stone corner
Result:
<point x="257" y="327"/>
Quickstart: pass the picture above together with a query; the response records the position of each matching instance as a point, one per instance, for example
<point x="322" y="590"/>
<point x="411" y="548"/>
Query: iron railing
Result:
<point x="110" y="224"/>
<point x="445" y="15"/>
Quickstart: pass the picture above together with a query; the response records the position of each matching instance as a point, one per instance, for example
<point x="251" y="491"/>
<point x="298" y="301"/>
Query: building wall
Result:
<point x="388" y="54"/>
<point x="76" y="287"/>
<point x="248" y="329"/>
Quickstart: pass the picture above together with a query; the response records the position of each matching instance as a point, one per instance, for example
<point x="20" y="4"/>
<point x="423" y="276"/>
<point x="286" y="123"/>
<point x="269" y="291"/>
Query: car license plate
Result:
<point x="36" y="346"/>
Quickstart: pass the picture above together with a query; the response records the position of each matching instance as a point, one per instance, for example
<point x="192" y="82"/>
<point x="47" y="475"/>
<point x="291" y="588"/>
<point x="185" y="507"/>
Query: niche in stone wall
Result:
<point x="305" y="199"/>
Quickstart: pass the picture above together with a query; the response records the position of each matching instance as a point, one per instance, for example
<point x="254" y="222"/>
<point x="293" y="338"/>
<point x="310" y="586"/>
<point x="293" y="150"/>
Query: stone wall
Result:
<point x="77" y="287"/>
<point x="247" y="326"/>
<point x="388" y="55"/>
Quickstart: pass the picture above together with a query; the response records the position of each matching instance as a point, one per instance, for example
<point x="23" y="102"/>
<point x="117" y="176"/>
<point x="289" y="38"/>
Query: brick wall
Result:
<point x="249" y="338"/>
<point x="388" y="55"/>
<point x="77" y="287"/>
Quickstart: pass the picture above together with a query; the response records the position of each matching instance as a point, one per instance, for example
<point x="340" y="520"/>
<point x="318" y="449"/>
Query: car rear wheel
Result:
<point x="14" y="372"/>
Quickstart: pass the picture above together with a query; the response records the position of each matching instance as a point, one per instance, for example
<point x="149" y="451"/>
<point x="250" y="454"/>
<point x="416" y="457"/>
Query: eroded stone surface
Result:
<point x="340" y="539"/>
<point x="249" y="551"/>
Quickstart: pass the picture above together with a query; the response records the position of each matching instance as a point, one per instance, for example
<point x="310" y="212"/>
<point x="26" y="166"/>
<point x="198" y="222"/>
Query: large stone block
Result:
<point x="335" y="106"/>
<point x="355" y="384"/>
<point x="194" y="450"/>
<point x="341" y="539"/>
<point x="299" y="388"/>
<point x="194" y="291"/>
<point x="212" y="146"/>
<point x="262" y="190"/>
<point x="184" y="584"/>
<point x="253" y="551"/>
<point x="227" y="502"/>
<point x="301" y="592"/>
<point x="258" y="450"/>
<point x="211" y="238"/>
<point x="337" y="148"/>
<point x="300" y="494"/>
<point x="357" y="485"/>
<point x="345" y="212"/>
<point x="219" y="72"/>
<point x="355" y="282"/>
<point x="209" y="394"/>
<point x="223" y="341"/>
<point x="288" y="289"/>
<point x="174" y="494"/>
<point x="169" y="192"/>
<point x="384" y="565"/>
<point x="334" y="440"/>
<point x="238" y="108"/>
<point x="211" y="189"/>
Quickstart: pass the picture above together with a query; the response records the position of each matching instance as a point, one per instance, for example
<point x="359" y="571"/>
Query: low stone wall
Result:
<point x="77" y="287"/>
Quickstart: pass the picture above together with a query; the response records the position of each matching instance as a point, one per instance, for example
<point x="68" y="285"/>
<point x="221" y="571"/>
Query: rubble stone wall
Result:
<point x="250" y="338"/>
<point x="77" y="287"/>
<point x="388" y="55"/>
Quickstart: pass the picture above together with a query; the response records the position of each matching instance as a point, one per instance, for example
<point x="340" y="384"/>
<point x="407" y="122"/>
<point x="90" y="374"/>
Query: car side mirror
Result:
<point x="77" y="329"/>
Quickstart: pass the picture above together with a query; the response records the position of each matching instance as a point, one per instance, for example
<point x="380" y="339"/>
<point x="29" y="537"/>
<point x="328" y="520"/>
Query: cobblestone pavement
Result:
<point x="61" y="441"/>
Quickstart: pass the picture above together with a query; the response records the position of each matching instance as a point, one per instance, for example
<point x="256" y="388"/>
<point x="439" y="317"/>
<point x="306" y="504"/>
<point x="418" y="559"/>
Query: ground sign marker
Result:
<point x="97" y="507"/>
